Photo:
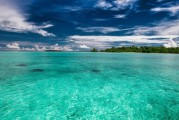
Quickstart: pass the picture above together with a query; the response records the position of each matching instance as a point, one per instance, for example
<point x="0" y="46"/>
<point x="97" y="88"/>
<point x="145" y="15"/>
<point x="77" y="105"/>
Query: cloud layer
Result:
<point x="161" y="28"/>
<point x="13" y="20"/>
<point x="37" y="47"/>
<point x="13" y="46"/>
<point x="102" y="42"/>
<point x="84" y="24"/>
<point x="103" y="30"/>
<point x="172" y="9"/>
<point x="115" y="4"/>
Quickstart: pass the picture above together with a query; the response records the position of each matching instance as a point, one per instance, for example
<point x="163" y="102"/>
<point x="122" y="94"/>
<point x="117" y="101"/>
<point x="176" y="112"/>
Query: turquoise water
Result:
<point x="88" y="86"/>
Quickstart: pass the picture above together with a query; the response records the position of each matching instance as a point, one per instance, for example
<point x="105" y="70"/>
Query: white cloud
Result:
<point x="172" y="9"/>
<point x="124" y="3"/>
<point x="27" y="49"/>
<point x="103" y="30"/>
<point x="60" y="48"/>
<point x="67" y="48"/>
<point x="119" y="16"/>
<point x="55" y="47"/>
<point x="137" y="39"/>
<point x="171" y="44"/>
<point x="103" y="4"/>
<point x="39" y="48"/>
<point x="107" y="41"/>
<point x="36" y="47"/>
<point x="84" y="47"/>
<point x="24" y="43"/>
<point x="115" y="4"/>
<point x="13" y="20"/>
<point x="162" y="28"/>
<point x="14" y="46"/>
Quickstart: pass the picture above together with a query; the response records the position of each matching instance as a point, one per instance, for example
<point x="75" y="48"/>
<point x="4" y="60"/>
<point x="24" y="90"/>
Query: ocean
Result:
<point x="88" y="86"/>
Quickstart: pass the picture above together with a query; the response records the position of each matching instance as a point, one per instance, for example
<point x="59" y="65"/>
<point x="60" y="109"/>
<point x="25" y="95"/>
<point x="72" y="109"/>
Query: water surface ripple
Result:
<point x="101" y="86"/>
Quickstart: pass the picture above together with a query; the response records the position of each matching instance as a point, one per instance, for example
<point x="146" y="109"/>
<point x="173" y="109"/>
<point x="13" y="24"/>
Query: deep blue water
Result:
<point x="101" y="86"/>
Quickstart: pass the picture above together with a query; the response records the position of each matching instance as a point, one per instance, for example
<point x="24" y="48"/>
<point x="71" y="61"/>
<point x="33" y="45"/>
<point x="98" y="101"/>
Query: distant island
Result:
<point x="53" y="50"/>
<point x="142" y="49"/>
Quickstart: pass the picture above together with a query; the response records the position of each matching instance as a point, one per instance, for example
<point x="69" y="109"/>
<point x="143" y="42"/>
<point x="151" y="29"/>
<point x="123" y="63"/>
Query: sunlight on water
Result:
<point x="102" y="86"/>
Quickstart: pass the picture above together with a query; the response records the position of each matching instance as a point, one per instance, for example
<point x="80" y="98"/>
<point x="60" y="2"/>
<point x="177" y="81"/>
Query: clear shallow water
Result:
<point x="102" y="86"/>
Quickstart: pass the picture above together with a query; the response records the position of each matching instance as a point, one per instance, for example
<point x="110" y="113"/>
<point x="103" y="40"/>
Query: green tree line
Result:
<point x="142" y="49"/>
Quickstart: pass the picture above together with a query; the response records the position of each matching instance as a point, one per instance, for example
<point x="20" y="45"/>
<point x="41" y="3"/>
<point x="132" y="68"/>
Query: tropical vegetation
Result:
<point x="142" y="49"/>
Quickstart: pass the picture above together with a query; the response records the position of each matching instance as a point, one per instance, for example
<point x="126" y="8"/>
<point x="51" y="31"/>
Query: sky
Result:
<point x="80" y="25"/>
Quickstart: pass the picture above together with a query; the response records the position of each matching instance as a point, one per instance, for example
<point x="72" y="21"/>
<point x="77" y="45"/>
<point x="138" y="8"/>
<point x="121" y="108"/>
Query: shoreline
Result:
<point x="83" y="52"/>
